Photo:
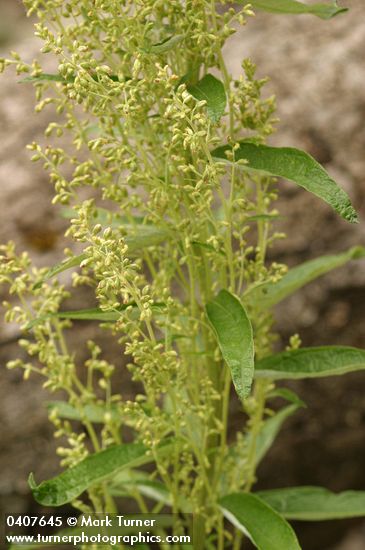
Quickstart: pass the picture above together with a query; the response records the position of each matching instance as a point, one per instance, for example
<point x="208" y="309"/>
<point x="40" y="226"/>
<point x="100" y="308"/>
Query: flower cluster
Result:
<point x="163" y="226"/>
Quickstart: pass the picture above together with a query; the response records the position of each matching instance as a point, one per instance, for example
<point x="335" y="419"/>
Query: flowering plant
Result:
<point x="169" y="184"/>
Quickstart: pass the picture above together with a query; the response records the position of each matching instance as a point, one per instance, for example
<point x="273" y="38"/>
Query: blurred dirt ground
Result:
<point x="317" y="72"/>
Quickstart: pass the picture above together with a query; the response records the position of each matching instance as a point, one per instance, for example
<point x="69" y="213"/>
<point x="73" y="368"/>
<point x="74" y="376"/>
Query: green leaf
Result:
<point x="324" y="11"/>
<point x="93" y="413"/>
<point x="234" y="334"/>
<point x="270" y="430"/>
<point x="155" y="490"/>
<point x="204" y="245"/>
<point x="59" y="268"/>
<point x="211" y="90"/>
<point x="107" y="218"/>
<point x="294" y="165"/>
<point x="91" y="471"/>
<point x="266" y="295"/>
<point x="44" y="77"/>
<point x="263" y="525"/>
<point x="265" y="438"/>
<point x="288" y="395"/>
<point x="89" y="314"/>
<point x="313" y="362"/>
<point x="138" y="236"/>
<point x="166" y="45"/>
<point x="315" y="503"/>
<point x="142" y="236"/>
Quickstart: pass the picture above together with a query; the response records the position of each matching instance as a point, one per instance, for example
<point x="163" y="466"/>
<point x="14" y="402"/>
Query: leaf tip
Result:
<point x="352" y="217"/>
<point x="37" y="285"/>
<point x="357" y="252"/>
<point x="31" y="482"/>
<point x="348" y="212"/>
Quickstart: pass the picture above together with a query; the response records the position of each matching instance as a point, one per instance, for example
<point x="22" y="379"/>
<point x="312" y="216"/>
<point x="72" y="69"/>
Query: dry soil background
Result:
<point x="317" y="72"/>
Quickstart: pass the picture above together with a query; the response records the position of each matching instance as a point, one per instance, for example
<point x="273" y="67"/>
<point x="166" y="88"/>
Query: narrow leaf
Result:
<point x="90" y="314"/>
<point x="92" y="470"/>
<point x="204" y="245"/>
<point x="139" y="236"/>
<point x="143" y="236"/>
<point x="315" y="503"/>
<point x="44" y="77"/>
<point x="92" y="413"/>
<point x="59" y="268"/>
<point x="270" y="430"/>
<point x="155" y="490"/>
<point x="288" y="395"/>
<point x="167" y="44"/>
<point x="324" y="11"/>
<point x="234" y="334"/>
<point x="264" y="440"/>
<point x="263" y="525"/>
<point x="211" y="90"/>
<point x="266" y="295"/>
<point x="313" y="362"/>
<point x="294" y="165"/>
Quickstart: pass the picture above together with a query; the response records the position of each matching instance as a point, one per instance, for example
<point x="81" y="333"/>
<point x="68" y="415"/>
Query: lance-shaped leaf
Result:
<point x="46" y="77"/>
<point x="166" y="45"/>
<point x="264" y="440"/>
<point x="266" y="295"/>
<point x="211" y="90"/>
<point x="90" y="314"/>
<point x="89" y="472"/>
<point x="315" y="503"/>
<point x="315" y="362"/>
<point x="324" y="11"/>
<point x="131" y="479"/>
<point x="139" y="236"/>
<point x="270" y="429"/>
<point x="153" y="489"/>
<point x="60" y="268"/>
<point x="294" y="165"/>
<point x="234" y="334"/>
<point x="93" y="412"/>
<point x="142" y="236"/>
<point x="288" y="395"/>
<point x="267" y="529"/>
